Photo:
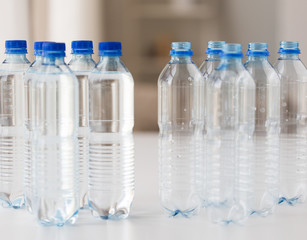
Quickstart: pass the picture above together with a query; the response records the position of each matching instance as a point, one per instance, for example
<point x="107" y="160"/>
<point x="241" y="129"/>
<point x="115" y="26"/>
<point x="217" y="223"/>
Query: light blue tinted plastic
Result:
<point x="293" y="151"/>
<point x="55" y="160"/>
<point x="180" y="119"/>
<point x="266" y="136"/>
<point x="230" y="117"/>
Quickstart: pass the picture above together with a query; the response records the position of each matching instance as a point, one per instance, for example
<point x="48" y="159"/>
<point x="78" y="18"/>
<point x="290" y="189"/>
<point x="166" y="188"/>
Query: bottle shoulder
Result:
<point x="180" y="73"/>
<point x="291" y="68"/>
<point x="262" y="72"/>
<point x="77" y="65"/>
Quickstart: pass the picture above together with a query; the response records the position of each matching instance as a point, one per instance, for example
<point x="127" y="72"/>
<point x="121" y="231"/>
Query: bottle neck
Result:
<point x="232" y="61"/>
<point x="53" y="60"/>
<point x="213" y="57"/>
<point x="257" y="58"/>
<point x="85" y="57"/>
<point x="16" y="58"/>
<point x="180" y="59"/>
<point x="289" y="57"/>
<point x="110" y="59"/>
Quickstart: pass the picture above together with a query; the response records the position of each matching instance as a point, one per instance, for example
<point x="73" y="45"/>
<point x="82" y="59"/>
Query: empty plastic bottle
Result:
<point x="180" y="110"/>
<point x="267" y="127"/>
<point x="111" y="144"/>
<point x="28" y="131"/>
<point x="293" y="123"/>
<point x="55" y="138"/>
<point x="11" y="123"/>
<point x="82" y="64"/>
<point x="211" y="63"/>
<point x="230" y="120"/>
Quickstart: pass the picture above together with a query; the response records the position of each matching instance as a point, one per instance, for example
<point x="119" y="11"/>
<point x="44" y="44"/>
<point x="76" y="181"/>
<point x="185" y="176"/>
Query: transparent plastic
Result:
<point x="293" y="141"/>
<point x="212" y="61"/>
<point x="55" y="139"/>
<point x="11" y="129"/>
<point x="28" y="130"/>
<point x="267" y="128"/>
<point x="82" y="65"/>
<point x="111" y="144"/>
<point x="230" y="125"/>
<point x="180" y="110"/>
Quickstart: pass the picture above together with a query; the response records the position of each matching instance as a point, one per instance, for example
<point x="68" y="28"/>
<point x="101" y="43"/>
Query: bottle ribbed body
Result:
<point x="266" y="136"/>
<point x="82" y="65"/>
<point x="55" y="158"/>
<point x="293" y="151"/>
<point x="11" y="130"/>
<point x="111" y="144"/>
<point x="181" y="90"/>
<point x="230" y="124"/>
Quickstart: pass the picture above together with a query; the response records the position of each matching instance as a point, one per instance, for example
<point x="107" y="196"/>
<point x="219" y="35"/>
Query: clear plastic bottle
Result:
<point x="293" y="123"/>
<point x="111" y="144"/>
<point x="55" y="139"/>
<point x="180" y="89"/>
<point x="82" y="64"/>
<point x="211" y="63"/>
<point x="11" y="123"/>
<point x="230" y="119"/>
<point x="267" y="128"/>
<point x="28" y="130"/>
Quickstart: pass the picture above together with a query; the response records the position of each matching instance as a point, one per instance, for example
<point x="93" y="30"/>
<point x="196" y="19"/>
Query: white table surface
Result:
<point x="147" y="220"/>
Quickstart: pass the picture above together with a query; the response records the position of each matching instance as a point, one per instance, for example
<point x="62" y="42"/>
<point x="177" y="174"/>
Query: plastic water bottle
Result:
<point x="28" y="130"/>
<point x="293" y="123"/>
<point x="111" y="144"/>
<point x="82" y="64"/>
<point x="180" y="89"/>
<point x="11" y="123"/>
<point x="230" y="119"/>
<point x="55" y="138"/>
<point x="267" y="127"/>
<point x="211" y="63"/>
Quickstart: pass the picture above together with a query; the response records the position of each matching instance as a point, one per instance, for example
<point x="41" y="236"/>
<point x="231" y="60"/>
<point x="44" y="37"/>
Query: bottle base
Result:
<point x="184" y="213"/>
<point x="262" y="213"/>
<point x="291" y="201"/>
<point x="5" y="201"/>
<point x="111" y="213"/>
<point x="59" y="222"/>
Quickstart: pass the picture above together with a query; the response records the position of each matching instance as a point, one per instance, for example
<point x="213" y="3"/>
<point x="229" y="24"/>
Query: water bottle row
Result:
<point x="66" y="131"/>
<point x="233" y="136"/>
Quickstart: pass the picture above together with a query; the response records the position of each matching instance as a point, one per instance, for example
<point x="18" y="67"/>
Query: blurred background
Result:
<point x="147" y="28"/>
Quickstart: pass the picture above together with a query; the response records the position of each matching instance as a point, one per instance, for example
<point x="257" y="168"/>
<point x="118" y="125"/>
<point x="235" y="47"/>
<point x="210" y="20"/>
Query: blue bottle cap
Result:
<point x="215" y="47"/>
<point x="257" y="49"/>
<point x="289" y="47"/>
<point x="53" y="49"/>
<point x="38" y="48"/>
<point x="82" y="47"/>
<point x="110" y="49"/>
<point x="181" y="49"/>
<point x="232" y="50"/>
<point x="16" y="47"/>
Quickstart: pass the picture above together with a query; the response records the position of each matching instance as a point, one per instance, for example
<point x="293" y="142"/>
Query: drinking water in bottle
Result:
<point x="82" y="64"/>
<point x="267" y="127"/>
<point x="230" y="119"/>
<point x="293" y="123"/>
<point x="111" y="144"/>
<point x="211" y="63"/>
<point x="55" y="139"/>
<point x="28" y="130"/>
<point x="11" y="123"/>
<point x="180" y="110"/>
